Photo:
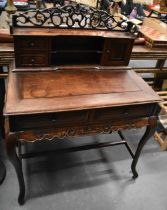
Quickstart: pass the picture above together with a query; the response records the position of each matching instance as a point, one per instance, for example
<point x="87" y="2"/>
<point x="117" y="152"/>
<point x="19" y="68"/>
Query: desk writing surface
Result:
<point x="31" y="92"/>
<point x="75" y="83"/>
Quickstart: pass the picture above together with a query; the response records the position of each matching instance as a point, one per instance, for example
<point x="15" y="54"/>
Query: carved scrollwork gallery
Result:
<point x="73" y="16"/>
<point x="62" y="133"/>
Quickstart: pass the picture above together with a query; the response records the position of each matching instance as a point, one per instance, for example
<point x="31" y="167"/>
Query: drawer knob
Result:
<point x="108" y="51"/>
<point x="32" y="44"/>
<point x="32" y="60"/>
<point x="126" y="113"/>
<point x="53" y="121"/>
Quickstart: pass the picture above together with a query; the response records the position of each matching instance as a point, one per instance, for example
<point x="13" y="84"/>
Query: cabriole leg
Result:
<point x="150" y="130"/>
<point x="11" y="142"/>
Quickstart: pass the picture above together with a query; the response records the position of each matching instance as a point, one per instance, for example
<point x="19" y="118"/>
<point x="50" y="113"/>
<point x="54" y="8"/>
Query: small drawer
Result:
<point x="49" y="120"/>
<point x="126" y="112"/>
<point x="26" y="60"/>
<point x="31" y="43"/>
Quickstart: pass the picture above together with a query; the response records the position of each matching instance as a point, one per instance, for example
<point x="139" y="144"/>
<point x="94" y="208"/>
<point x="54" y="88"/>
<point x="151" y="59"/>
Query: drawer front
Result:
<point x="79" y="118"/>
<point x="31" y="43"/>
<point x="49" y="120"/>
<point x="126" y="112"/>
<point x="25" y="60"/>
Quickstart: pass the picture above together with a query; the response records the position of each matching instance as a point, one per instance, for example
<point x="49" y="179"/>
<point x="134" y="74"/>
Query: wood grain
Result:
<point x="63" y="91"/>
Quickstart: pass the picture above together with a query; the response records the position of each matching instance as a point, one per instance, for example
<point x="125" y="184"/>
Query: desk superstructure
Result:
<point x="62" y="89"/>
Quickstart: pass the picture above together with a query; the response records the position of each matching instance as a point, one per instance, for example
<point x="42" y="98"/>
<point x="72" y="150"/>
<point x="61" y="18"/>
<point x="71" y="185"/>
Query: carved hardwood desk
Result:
<point x="74" y="82"/>
<point x="76" y="103"/>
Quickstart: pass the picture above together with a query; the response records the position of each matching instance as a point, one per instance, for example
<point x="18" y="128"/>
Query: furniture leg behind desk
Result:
<point x="142" y="52"/>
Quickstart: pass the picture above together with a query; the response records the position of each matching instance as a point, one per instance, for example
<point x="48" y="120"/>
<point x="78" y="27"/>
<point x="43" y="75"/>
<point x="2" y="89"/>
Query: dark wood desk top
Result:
<point x="31" y="92"/>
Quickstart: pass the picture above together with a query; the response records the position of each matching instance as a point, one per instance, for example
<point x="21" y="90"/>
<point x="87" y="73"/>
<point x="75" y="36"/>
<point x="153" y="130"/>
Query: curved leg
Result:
<point x="11" y="142"/>
<point x="2" y="172"/>
<point x="148" y="133"/>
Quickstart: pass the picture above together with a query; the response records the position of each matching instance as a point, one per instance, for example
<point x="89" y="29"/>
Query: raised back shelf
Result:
<point x="70" y="35"/>
<point x="42" y="48"/>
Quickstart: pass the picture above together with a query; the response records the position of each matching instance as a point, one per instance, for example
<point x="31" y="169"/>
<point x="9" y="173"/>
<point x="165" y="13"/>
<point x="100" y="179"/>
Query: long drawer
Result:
<point x="125" y="112"/>
<point x="79" y="118"/>
<point x="48" y="120"/>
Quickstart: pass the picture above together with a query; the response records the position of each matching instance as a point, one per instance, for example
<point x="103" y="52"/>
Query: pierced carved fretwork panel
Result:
<point x="73" y="16"/>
